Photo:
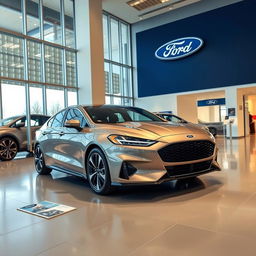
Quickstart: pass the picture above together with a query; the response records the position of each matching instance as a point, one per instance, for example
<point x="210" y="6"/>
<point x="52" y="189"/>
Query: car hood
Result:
<point x="4" y="128"/>
<point x="150" y="130"/>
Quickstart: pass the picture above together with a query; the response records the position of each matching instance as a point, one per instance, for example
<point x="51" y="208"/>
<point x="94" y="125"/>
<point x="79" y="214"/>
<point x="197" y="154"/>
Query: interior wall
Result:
<point x="158" y="103"/>
<point x="90" y="55"/>
<point x="252" y="104"/>
<point x="188" y="111"/>
<point x="243" y="115"/>
<point x="208" y="113"/>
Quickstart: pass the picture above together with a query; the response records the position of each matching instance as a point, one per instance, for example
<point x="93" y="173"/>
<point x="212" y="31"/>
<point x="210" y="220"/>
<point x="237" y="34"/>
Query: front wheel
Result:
<point x="98" y="172"/>
<point x="8" y="148"/>
<point x="41" y="168"/>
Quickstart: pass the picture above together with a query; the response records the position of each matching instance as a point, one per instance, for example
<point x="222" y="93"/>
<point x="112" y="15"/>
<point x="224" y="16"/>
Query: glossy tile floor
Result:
<point x="213" y="215"/>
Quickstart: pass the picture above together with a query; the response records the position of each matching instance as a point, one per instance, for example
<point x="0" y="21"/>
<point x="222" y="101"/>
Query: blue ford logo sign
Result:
<point x="190" y="136"/>
<point x="179" y="48"/>
<point x="212" y="102"/>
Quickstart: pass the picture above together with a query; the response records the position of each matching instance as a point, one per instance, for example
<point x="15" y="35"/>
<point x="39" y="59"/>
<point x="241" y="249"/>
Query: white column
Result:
<point x="231" y="102"/>
<point x="90" y="56"/>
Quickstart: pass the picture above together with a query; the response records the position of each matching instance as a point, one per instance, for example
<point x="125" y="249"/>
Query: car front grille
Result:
<point x="187" y="151"/>
<point x="187" y="169"/>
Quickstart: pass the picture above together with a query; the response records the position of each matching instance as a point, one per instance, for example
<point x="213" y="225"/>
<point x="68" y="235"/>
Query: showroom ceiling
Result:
<point x="133" y="11"/>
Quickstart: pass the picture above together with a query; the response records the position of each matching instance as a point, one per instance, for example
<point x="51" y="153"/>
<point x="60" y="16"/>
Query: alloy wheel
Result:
<point x="96" y="171"/>
<point x="39" y="161"/>
<point x="41" y="168"/>
<point x="8" y="149"/>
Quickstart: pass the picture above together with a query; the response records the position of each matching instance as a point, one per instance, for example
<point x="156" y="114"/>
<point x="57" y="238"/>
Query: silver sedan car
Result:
<point x="118" y="145"/>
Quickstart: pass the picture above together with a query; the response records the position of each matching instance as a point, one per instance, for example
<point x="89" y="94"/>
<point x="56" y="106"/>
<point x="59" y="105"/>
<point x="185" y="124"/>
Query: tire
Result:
<point x="40" y="166"/>
<point x="98" y="172"/>
<point x="8" y="148"/>
<point x="213" y="131"/>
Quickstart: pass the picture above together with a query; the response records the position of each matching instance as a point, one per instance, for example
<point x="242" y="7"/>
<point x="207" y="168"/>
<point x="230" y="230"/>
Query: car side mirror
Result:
<point x="73" y="124"/>
<point x="19" y="125"/>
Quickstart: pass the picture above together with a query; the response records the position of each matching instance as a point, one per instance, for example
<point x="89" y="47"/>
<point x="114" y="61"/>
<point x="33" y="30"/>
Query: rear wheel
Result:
<point x="8" y="148"/>
<point x="98" y="172"/>
<point x="41" y="168"/>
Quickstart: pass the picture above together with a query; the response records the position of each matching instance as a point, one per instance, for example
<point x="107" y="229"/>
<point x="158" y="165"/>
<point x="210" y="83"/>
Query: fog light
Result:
<point x="127" y="170"/>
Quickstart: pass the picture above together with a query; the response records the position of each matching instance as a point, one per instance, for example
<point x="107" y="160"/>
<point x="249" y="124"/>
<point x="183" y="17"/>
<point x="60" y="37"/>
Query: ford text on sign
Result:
<point x="179" y="48"/>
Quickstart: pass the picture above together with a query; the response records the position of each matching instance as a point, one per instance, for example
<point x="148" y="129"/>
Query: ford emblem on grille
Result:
<point x="190" y="136"/>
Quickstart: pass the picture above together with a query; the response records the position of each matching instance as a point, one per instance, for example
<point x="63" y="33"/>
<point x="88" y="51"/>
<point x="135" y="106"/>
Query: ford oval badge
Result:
<point x="179" y="48"/>
<point x="190" y="136"/>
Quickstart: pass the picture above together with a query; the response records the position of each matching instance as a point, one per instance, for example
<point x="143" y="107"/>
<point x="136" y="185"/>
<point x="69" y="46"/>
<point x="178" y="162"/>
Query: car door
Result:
<point x="35" y="124"/>
<point x="20" y="132"/>
<point x="50" y="141"/>
<point x="74" y="141"/>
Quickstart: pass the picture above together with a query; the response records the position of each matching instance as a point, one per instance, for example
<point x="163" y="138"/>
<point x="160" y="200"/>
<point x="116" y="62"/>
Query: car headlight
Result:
<point x="212" y="137"/>
<point x="130" y="141"/>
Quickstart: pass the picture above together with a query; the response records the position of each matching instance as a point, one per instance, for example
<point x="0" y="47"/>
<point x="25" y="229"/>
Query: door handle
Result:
<point x="61" y="133"/>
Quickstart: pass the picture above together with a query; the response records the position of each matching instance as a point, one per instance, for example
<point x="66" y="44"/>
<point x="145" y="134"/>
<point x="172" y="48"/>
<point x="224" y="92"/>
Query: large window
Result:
<point x="37" y="50"/>
<point x="117" y="54"/>
<point x="11" y="56"/>
<point x="13" y="98"/>
<point x="53" y="65"/>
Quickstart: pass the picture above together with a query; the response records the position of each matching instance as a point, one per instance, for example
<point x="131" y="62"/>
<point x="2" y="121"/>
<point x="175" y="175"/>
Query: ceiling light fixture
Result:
<point x="166" y="8"/>
<point x="140" y="5"/>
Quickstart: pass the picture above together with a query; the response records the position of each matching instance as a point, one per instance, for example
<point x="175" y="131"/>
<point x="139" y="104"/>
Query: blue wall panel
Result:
<point x="227" y="58"/>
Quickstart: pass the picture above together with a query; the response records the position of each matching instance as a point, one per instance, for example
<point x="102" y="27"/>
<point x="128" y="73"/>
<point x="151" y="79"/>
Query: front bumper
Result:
<point x="151" y="169"/>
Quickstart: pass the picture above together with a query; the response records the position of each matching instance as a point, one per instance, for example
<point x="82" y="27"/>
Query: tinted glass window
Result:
<point x="34" y="121"/>
<point x="7" y="120"/>
<point x="58" y="120"/>
<point x="38" y="120"/>
<point x="49" y="124"/>
<point x="75" y="114"/>
<point x="43" y="119"/>
<point x="112" y="114"/>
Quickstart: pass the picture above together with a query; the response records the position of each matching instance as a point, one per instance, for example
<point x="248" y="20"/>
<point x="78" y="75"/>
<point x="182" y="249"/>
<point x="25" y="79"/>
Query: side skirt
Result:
<point x="78" y="174"/>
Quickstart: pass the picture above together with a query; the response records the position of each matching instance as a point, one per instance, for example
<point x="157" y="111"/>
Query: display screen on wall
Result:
<point x="227" y="57"/>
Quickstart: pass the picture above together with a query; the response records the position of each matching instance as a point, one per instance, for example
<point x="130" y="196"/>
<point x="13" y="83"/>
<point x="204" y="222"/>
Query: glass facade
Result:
<point x="117" y="55"/>
<point x="37" y="49"/>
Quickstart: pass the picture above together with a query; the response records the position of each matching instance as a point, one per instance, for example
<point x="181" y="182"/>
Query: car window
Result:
<point x="8" y="120"/>
<point x="172" y="118"/>
<point x="57" y="120"/>
<point x="49" y="124"/>
<point x="40" y="119"/>
<point x="34" y="121"/>
<point x="75" y="114"/>
<point x="117" y="114"/>
<point x="138" y="117"/>
<point x="176" y="119"/>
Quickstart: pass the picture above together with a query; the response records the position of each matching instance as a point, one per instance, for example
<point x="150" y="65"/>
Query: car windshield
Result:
<point x="113" y="114"/>
<point x="8" y="120"/>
